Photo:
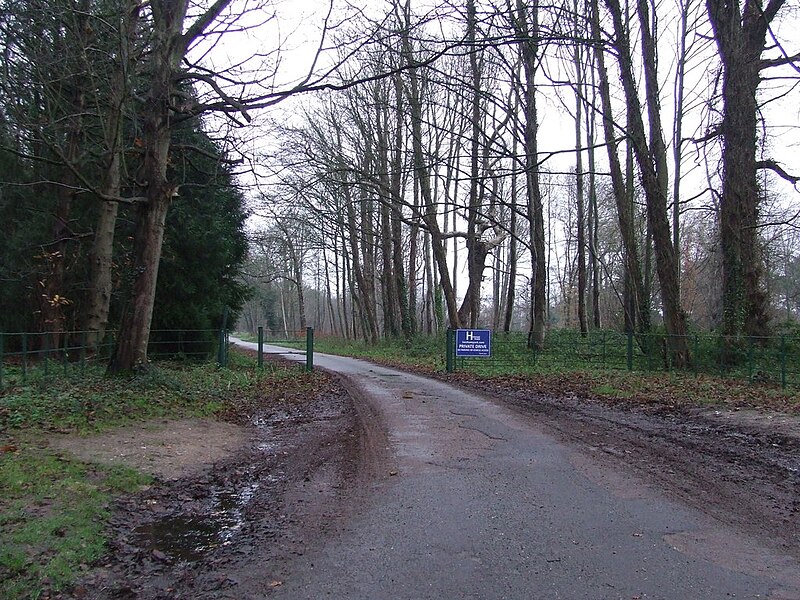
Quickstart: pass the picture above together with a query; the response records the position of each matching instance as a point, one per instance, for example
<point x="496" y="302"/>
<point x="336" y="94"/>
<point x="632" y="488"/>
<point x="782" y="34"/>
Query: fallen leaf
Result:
<point x="159" y="556"/>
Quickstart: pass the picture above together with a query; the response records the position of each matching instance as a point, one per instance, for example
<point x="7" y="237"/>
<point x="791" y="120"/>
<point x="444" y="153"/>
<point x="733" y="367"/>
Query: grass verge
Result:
<point x="566" y="374"/>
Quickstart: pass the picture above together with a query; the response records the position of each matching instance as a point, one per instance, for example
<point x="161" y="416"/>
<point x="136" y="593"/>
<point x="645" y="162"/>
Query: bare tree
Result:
<point x="651" y="158"/>
<point x="740" y="31"/>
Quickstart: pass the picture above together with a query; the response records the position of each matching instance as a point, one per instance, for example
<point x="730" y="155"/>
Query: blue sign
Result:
<point x="473" y="342"/>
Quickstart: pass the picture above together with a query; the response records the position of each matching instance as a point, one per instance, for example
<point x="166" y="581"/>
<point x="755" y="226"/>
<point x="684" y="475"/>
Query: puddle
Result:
<point x="269" y="447"/>
<point x="266" y="422"/>
<point x="190" y="537"/>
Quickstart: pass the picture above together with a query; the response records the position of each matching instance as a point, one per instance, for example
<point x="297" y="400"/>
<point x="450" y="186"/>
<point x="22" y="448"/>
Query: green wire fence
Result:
<point x="39" y="357"/>
<point x="774" y="360"/>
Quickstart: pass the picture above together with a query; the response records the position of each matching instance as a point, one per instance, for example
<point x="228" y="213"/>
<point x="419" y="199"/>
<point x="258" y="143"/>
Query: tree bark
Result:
<point x="101" y="257"/>
<point x="740" y="34"/>
<point x="593" y="217"/>
<point x="638" y="315"/>
<point x="428" y="208"/>
<point x="528" y="31"/>
<point x="579" y="196"/>
<point x="476" y="252"/>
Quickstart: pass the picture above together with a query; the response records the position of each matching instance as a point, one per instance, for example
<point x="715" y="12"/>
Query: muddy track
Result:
<point x="229" y="532"/>
<point x="737" y="467"/>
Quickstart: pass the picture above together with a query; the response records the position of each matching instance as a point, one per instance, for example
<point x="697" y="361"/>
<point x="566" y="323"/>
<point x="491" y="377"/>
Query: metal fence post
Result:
<point x="309" y="349"/>
<point x="65" y="353"/>
<point x="630" y="351"/>
<point x="84" y="341"/>
<point x="260" y="347"/>
<point x="46" y="356"/>
<point x="221" y="348"/>
<point x="783" y="361"/>
<point x="24" y="358"/>
<point x="449" y="351"/>
<point x="222" y="355"/>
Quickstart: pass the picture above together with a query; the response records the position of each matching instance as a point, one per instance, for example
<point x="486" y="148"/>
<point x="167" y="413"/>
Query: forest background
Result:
<point x="425" y="165"/>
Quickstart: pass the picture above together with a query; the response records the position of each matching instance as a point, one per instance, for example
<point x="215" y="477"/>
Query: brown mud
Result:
<point x="741" y="467"/>
<point x="224" y="528"/>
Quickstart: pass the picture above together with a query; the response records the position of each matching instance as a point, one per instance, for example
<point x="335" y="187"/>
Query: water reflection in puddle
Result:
<point x="189" y="537"/>
<point x="268" y="446"/>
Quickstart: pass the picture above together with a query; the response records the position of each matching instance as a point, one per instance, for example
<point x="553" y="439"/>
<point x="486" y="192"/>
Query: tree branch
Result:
<point x="776" y="168"/>
<point x="202" y="23"/>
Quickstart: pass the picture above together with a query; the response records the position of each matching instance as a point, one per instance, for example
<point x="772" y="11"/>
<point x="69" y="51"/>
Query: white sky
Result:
<point x="297" y="30"/>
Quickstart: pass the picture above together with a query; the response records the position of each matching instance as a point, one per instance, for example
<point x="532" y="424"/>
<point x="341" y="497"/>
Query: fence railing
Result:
<point x="40" y="356"/>
<point x="301" y="339"/>
<point x="763" y="359"/>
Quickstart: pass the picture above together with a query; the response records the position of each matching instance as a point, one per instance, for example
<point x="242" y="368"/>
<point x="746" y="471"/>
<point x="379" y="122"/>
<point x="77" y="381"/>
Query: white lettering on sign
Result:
<point x="473" y="342"/>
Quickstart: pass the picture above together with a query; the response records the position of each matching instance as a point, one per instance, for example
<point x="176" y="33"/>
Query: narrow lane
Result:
<point x="480" y="502"/>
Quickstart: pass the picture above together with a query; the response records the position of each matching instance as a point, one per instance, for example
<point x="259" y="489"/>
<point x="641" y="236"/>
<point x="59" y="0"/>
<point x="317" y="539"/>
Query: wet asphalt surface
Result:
<point x="478" y="501"/>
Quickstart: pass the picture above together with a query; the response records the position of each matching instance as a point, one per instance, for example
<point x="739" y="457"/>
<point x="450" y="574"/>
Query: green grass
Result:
<point x="420" y="351"/>
<point x="53" y="516"/>
<point x="611" y="391"/>
<point x="596" y="366"/>
<point x="54" y="509"/>
<point x="94" y="402"/>
<point x="771" y="361"/>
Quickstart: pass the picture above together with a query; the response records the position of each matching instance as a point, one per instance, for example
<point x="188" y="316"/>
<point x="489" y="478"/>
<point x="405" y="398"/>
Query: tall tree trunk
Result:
<point x="740" y="34"/>
<point x="329" y="297"/>
<point x="389" y="293"/>
<point x="677" y="147"/>
<point x="101" y="256"/>
<point x="131" y="351"/>
<point x="511" y="291"/>
<point x="428" y="208"/>
<point x="593" y="217"/>
<point x="407" y="321"/>
<point x="579" y="199"/>
<point x="432" y="320"/>
<point x="68" y="104"/>
<point x="652" y="162"/>
<point x="476" y="254"/>
<point x="361" y="275"/>
<point x="528" y="32"/>
<point x="297" y="275"/>
<point x="639" y="314"/>
<point x="169" y="45"/>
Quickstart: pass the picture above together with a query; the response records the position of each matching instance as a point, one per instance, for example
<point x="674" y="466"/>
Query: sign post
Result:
<point x="474" y="343"/>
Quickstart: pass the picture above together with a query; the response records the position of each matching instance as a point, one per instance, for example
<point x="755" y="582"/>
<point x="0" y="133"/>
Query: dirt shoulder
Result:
<point x="167" y="449"/>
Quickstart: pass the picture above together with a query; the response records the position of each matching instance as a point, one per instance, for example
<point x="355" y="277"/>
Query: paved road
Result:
<point x="486" y="505"/>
